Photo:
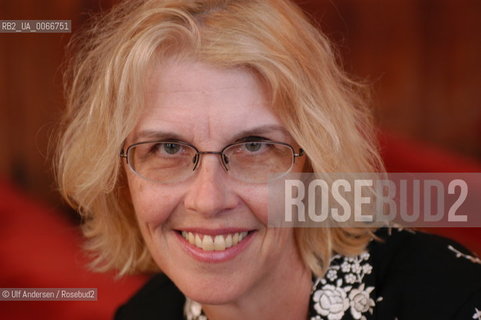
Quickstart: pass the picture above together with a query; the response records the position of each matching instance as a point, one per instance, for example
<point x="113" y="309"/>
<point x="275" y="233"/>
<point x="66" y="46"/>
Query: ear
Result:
<point x="123" y="190"/>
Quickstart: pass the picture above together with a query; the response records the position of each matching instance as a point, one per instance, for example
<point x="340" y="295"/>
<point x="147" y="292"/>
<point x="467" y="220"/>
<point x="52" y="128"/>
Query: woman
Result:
<point x="179" y="113"/>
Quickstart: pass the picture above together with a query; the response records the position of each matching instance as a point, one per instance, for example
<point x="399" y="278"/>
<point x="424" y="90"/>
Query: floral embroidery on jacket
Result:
<point x="331" y="301"/>
<point x="343" y="289"/>
<point x="477" y="314"/>
<point x="193" y="310"/>
<point x="459" y="254"/>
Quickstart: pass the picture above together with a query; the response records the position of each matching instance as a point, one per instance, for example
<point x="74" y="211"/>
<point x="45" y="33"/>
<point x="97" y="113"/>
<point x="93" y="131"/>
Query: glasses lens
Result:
<point x="164" y="162"/>
<point x="259" y="161"/>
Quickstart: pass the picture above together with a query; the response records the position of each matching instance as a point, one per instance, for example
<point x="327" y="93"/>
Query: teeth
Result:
<point x="228" y="241"/>
<point x="218" y="243"/>
<point x="235" y="239"/>
<point x="198" y="241"/>
<point x="207" y="243"/>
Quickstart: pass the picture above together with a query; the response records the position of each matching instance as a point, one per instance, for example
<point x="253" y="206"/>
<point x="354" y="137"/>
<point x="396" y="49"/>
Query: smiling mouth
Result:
<point x="219" y="242"/>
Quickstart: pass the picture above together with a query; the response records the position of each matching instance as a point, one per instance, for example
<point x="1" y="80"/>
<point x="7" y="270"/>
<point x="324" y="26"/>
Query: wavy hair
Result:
<point x="320" y="106"/>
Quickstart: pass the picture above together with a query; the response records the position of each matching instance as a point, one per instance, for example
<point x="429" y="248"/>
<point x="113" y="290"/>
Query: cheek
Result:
<point x="153" y="204"/>
<point x="256" y="198"/>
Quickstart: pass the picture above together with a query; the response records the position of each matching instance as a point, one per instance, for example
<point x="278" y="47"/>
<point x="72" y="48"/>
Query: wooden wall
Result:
<point x="422" y="58"/>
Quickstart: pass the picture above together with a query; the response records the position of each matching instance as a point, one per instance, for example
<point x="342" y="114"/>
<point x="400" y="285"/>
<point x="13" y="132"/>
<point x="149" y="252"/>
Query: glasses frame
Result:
<point x="124" y="153"/>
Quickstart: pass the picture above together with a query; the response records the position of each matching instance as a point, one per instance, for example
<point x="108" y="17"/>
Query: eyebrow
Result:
<point x="146" y="135"/>
<point x="262" y="130"/>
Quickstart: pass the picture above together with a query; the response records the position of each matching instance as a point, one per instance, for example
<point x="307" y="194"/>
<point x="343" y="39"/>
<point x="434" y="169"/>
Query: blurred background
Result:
<point x="422" y="59"/>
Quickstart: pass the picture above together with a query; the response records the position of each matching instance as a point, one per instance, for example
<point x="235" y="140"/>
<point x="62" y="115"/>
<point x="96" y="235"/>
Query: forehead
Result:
<point x="185" y="75"/>
<point x="197" y="101"/>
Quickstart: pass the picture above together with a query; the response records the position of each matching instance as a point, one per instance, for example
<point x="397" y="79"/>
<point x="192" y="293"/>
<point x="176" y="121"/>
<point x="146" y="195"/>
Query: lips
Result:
<point x="218" y="242"/>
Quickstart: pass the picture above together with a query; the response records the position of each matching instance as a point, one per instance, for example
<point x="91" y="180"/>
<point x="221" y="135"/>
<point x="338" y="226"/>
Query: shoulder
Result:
<point x="424" y="276"/>
<point x="159" y="297"/>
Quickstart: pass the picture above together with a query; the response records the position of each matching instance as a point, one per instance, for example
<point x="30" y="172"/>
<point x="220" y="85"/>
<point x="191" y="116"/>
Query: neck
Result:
<point x="284" y="295"/>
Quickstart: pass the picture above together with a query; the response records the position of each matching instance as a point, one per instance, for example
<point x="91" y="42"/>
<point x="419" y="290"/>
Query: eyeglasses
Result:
<point x="172" y="161"/>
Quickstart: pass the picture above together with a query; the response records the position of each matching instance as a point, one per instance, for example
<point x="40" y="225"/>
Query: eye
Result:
<point x="253" y="146"/>
<point x="165" y="149"/>
<point x="171" y="148"/>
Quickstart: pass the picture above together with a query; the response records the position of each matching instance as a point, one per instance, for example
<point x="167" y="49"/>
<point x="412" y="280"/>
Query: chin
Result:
<point x="214" y="292"/>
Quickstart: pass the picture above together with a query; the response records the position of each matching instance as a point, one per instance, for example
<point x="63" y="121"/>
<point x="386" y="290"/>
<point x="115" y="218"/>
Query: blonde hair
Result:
<point x="318" y="104"/>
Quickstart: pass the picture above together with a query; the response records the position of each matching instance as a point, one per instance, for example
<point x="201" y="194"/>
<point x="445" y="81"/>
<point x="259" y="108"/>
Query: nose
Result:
<point x="210" y="192"/>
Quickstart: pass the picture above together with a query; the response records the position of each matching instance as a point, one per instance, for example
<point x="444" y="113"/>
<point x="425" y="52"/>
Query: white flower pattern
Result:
<point x="331" y="301"/>
<point x="332" y="297"/>
<point x="361" y="302"/>
<point x="459" y="254"/>
<point x="477" y="314"/>
<point x="345" y="267"/>
<point x="350" y="278"/>
<point x="331" y="275"/>
<point x="193" y="310"/>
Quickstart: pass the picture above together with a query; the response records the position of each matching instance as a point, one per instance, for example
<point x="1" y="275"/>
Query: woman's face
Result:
<point x="210" y="108"/>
